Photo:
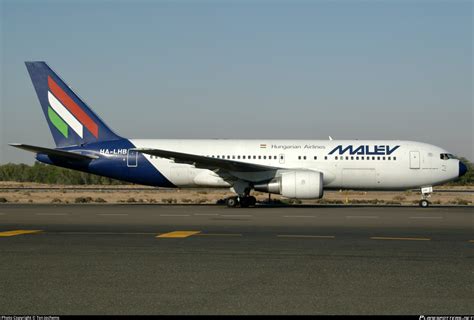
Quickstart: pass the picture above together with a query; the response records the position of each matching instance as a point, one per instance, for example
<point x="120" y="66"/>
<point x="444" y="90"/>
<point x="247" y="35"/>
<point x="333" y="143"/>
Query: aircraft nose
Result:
<point x="462" y="169"/>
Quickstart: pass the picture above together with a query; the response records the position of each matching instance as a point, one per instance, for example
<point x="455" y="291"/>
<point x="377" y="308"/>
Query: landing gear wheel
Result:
<point x="424" y="203"/>
<point x="252" y="200"/>
<point x="232" y="202"/>
<point x="245" y="202"/>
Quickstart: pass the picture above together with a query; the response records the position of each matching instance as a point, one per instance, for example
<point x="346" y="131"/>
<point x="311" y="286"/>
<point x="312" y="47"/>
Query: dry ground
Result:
<point x="140" y="194"/>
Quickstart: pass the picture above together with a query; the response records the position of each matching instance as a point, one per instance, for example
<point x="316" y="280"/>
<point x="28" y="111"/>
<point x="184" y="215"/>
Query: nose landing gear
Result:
<point x="425" y="195"/>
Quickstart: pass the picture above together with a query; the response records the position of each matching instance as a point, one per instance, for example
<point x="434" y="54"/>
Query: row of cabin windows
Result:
<point x="302" y="157"/>
<point x="352" y="158"/>
<point x="247" y="157"/>
<point x="365" y="158"/>
<point x="238" y="157"/>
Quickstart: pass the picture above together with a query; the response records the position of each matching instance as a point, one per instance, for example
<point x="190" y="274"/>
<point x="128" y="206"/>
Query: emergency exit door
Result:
<point x="282" y="158"/>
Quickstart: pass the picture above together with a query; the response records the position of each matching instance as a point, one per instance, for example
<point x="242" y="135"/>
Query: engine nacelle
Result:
<point x="298" y="184"/>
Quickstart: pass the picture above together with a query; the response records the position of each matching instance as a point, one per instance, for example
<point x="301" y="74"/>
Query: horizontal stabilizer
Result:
<point x="206" y="162"/>
<point x="54" y="152"/>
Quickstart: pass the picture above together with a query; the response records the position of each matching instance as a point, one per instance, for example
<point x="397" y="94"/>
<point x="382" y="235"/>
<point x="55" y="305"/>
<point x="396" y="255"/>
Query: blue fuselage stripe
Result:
<point x="136" y="169"/>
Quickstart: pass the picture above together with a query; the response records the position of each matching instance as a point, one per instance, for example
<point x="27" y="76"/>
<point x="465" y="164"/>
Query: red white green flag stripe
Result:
<point x="63" y="113"/>
<point x="58" y="122"/>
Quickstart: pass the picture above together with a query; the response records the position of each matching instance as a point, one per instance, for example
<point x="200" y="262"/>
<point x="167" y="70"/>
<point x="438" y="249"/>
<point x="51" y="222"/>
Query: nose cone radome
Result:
<point x="462" y="169"/>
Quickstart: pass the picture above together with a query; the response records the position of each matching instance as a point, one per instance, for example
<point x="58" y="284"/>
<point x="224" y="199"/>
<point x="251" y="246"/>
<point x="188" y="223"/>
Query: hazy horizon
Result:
<point x="246" y="69"/>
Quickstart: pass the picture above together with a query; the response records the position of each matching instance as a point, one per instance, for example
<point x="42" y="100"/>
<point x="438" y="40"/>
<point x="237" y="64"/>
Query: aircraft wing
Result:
<point x="206" y="162"/>
<point x="54" y="152"/>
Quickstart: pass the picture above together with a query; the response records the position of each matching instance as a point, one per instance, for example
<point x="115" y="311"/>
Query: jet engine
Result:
<point x="298" y="184"/>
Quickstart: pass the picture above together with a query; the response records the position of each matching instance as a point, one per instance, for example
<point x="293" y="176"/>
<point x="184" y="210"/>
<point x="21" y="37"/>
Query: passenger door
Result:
<point x="132" y="159"/>
<point x="414" y="160"/>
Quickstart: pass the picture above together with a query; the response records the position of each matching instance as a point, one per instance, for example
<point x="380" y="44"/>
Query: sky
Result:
<point x="246" y="69"/>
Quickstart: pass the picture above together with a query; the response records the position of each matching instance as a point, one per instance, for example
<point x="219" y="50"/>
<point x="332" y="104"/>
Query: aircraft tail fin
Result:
<point x="69" y="118"/>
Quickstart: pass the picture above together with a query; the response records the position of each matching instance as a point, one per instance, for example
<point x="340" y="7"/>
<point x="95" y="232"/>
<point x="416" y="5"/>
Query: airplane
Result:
<point x="296" y="169"/>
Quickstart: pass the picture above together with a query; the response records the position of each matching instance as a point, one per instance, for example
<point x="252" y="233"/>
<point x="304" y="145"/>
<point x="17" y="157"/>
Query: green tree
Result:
<point x="42" y="173"/>
<point x="468" y="178"/>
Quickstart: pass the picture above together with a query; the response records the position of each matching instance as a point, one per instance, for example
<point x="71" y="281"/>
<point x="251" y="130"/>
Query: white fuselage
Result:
<point x="352" y="164"/>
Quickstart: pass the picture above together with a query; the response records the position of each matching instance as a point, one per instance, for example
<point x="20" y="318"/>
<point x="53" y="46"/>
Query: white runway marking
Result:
<point x="237" y="215"/>
<point x="362" y="217"/>
<point x="304" y="236"/>
<point x="112" y="214"/>
<point x="2" y="214"/>
<point x="426" y="217"/>
<point x="174" y="215"/>
<point x="402" y="239"/>
<point x="206" y="214"/>
<point x="51" y="214"/>
<point x="299" y="216"/>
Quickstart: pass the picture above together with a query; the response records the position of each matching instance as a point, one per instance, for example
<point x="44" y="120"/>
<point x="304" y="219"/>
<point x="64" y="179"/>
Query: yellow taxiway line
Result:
<point x="178" y="234"/>
<point x="12" y="233"/>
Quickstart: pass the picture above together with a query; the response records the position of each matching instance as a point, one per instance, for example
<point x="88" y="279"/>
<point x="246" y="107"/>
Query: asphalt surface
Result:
<point x="120" y="259"/>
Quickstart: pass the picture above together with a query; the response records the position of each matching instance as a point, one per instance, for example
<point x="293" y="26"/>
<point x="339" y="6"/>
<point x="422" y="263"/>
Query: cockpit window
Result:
<point x="446" y="156"/>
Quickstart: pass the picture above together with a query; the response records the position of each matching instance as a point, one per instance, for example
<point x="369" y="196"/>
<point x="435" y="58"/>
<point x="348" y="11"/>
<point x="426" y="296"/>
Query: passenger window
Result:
<point x="274" y="157"/>
<point x="383" y="158"/>
<point x="304" y="158"/>
<point x="378" y="158"/>
<point x="394" y="158"/>
<point x="315" y="158"/>
<point x="336" y="157"/>
<point x="299" y="157"/>
<point x="373" y="158"/>
<point x="352" y="158"/>
<point x="357" y="158"/>
<point x="389" y="158"/>
<point x="265" y="157"/>
<point x="259" y="157"/>
<point x="325" y="157"/>
<point x="362" y="158"/>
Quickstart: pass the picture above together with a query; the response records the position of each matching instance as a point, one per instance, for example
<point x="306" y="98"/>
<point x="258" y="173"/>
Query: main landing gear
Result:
<point x="425" y="195"/>
<point x="243" y="202"/>
<point x="244" y="199"/>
